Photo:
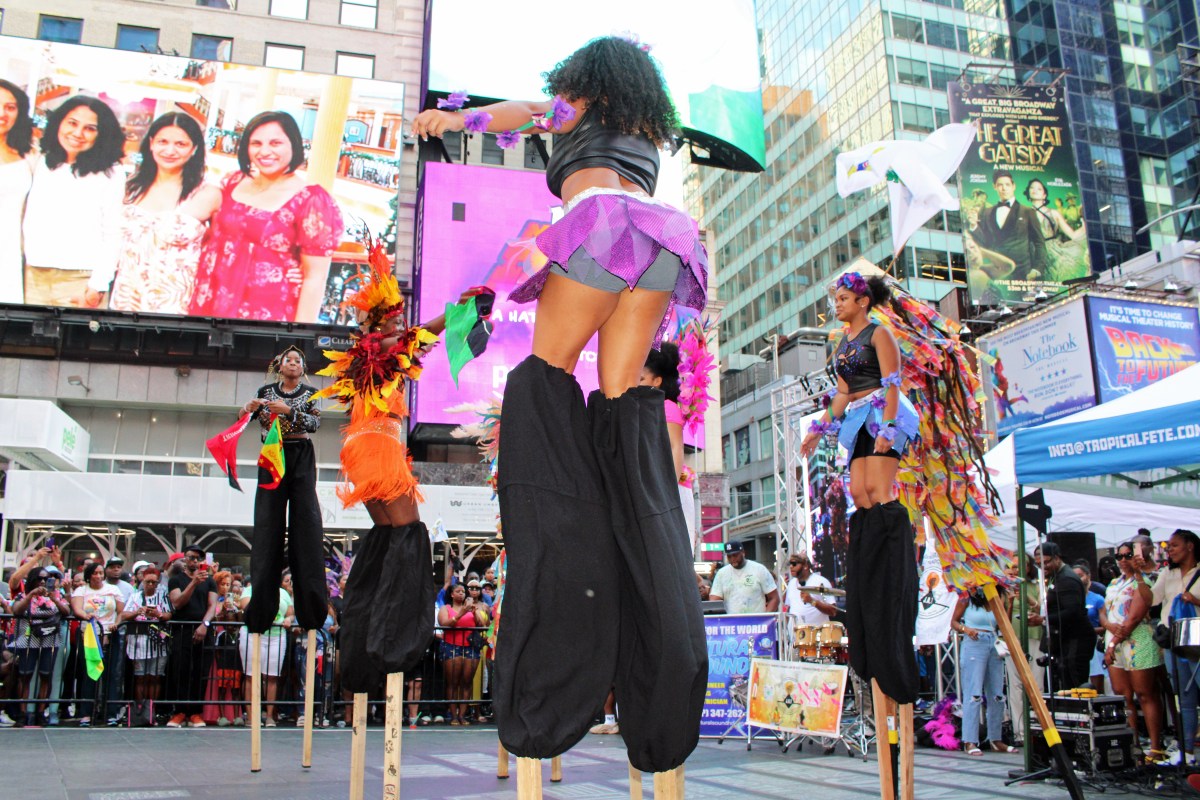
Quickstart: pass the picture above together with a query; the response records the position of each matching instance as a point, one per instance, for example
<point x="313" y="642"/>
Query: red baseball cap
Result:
<point x="171" y="559"/>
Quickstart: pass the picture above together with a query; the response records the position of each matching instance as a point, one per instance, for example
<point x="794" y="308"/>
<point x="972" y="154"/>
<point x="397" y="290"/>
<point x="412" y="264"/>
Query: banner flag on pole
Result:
<point x="223" y="447"/>
<point x="271" y="456"/>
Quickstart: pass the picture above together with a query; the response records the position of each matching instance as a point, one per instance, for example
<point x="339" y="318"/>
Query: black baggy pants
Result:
<point x="288" y="511"/>
<point x="881" y="599"/>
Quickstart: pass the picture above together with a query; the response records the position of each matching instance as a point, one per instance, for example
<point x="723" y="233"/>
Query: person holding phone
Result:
<point x="102" y="602"/>
<point x="194" y="599"/>
<point x="39" y="610"/>
<point x="146" y="616"/>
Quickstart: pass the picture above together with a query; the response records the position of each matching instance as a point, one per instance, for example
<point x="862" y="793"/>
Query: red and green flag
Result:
<point x="271" y="456"/>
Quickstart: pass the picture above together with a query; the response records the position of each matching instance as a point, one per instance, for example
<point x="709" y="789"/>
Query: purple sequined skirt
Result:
<point x="624" y="234"/>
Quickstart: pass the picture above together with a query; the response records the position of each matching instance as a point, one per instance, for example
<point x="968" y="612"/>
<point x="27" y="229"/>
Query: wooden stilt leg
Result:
<point x="529" y="779"/>
<point x="635" y="783"/>
<point x="669" y="785"/>
<point x="883" y="741"/>
<point x="556" y="769"/>
<point x="255" y="703"/>
<point x="501" y="760"/>
<point x="310" y="667"/>
<point x="393" y="723"/>
<point x="1057" y="748"/>
<point x="358" y="748"/>
<point x="906" y="752"/>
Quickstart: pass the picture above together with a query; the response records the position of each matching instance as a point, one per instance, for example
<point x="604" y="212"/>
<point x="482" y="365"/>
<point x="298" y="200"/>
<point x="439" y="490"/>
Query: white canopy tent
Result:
<point x="1111" y="505"/>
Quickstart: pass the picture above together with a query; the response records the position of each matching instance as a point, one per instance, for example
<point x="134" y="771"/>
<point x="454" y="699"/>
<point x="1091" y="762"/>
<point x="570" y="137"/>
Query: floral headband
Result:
<point x="853" y="281"/>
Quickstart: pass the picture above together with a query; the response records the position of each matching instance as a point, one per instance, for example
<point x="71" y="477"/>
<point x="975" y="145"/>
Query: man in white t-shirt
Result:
<point x="746" y="586"/>
<point x="807" y="607"/>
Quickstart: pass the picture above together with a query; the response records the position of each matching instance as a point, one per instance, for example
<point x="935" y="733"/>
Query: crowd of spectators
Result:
<point x="175" y="652"/>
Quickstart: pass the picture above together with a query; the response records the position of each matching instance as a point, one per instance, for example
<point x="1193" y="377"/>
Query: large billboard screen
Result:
<point x="478" y="226"/>
<point x="93" y="214"/>
<point x="1135" y="344"/>
<point x="1022" y="216"/>
<point x="708" y="51"/>
<point x="1041" y="371"/>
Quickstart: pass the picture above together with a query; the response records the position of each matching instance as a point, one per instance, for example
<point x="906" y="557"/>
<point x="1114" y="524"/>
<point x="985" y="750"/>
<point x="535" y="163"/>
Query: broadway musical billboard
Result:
<point x="165" y="185"/>
<point x="1135" y="344"/>
<point x="1022" y="216"/>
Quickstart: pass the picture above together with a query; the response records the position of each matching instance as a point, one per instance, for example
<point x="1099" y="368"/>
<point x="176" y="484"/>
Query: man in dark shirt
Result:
<point x="194" y="597"/>
<point x="1069" y="639"/>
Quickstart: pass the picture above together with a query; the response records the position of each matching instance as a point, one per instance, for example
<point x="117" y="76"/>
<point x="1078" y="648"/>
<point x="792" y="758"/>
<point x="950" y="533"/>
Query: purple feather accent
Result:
<point x="888" y="433"/>
<point x="878" y="401"/>
<point x="454" y="102"/>
<point x="561" y="111"/>
<point x="873" y="429"/>
<point x="508" y="139"/>
<point x="477" y="121"/>
<point x="891" y="380"/>
<point x="853" y="281"/>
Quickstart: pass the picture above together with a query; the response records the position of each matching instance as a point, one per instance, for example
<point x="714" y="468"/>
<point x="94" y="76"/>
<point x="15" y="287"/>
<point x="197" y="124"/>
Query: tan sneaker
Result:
<point x="605" y="728"/>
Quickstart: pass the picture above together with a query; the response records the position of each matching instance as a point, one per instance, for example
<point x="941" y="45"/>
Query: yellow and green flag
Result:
<point x="93" y="656"/>
<point x="271" y="456"/>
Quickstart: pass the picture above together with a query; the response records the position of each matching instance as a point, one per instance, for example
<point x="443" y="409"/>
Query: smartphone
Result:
<point x="50" y="542"/>
<point x="51" y="583"/>
<point x="208" y="559"/>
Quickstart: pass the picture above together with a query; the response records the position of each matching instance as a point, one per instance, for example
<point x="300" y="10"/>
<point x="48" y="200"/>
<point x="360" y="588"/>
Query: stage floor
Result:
<point x="116" y="764"/>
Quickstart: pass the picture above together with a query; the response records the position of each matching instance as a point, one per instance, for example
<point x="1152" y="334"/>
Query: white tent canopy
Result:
<point x="1108" y="505"/>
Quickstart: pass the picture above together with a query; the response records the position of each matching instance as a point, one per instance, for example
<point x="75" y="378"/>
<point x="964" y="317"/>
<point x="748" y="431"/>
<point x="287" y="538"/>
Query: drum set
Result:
<point x="822" y="644"/>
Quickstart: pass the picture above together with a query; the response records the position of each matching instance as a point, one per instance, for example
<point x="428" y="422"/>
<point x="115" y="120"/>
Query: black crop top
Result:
<point x="856" y="361"/>
<point x="590" y="144"/>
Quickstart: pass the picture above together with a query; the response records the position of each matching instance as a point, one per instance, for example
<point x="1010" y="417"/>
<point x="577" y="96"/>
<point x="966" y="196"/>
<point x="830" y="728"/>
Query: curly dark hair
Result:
<point x="20" y="136"/>
<point x="104" y="154"/>
<point x="620" y="82"/>
<point x="664" y="363"/>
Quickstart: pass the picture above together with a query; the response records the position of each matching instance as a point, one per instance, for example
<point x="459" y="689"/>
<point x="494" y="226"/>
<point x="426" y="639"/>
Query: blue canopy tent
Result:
<point x="1132" y="462"/>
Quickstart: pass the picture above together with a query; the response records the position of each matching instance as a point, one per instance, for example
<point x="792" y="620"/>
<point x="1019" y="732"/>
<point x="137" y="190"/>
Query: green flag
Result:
<point x="467" y="330"/>
<point x="92" y="655"/>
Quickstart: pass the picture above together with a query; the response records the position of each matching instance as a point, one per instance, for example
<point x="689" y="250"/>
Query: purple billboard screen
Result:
<point x="478" y="226"/>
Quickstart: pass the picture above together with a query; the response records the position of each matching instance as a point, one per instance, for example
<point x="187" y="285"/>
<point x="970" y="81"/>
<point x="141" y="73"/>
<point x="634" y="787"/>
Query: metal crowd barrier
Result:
<point x="164" y="664"/>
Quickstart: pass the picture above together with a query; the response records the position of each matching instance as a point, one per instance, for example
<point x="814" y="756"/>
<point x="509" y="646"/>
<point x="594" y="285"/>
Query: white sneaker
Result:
<point x="604" y="727"/>
<point x="6" y="721"/>
<point x="1189" y="759"/>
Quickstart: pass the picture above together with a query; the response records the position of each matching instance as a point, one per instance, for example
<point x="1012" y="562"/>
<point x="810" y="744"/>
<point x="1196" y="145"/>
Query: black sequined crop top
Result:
<point x="590" y="144"/>
<point x="856" y="361"/>
<point x="305" y="416"/>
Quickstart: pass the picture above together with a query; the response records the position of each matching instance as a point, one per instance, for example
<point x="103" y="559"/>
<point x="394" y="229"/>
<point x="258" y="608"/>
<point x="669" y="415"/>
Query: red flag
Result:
<point x="223" y="447"/>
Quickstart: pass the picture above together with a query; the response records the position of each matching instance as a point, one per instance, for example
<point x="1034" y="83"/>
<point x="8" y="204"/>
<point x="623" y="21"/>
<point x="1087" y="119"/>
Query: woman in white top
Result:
<point x="16" y="174"/>
<point x="73" y="214"/>
<point x="168" y="206"/>
<point x="100" y="601"/>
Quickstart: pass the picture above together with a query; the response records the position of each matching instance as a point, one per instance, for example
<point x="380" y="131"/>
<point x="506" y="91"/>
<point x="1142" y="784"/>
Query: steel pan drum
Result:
<point x="1185" y="638"/>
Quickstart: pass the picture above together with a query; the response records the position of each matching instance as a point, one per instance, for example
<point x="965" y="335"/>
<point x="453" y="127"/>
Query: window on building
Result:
<point x="727" y="452"/>
<point x="939" y="76"/>
<point x="211" y="48"/>
<point x="743" y="498"/>
<point x="284" y="56"/>
<point x="292" y="9"/>
<point x="916" y="118"/>
<point x="940" y="34"/>
<point x="768" y="494"/>
<point x="490" y="152"/>
<point x="60" y="29"/>
<point x="359" y="13"/>
<point x="353" y="65"/>
<point x="766" y="444"/>
<point x="907" y="28"/>
<point x="228" y="5"/>
<point x="140" y="40"/>
<point x="741" y="438"/>
<point x="911" y="73"/>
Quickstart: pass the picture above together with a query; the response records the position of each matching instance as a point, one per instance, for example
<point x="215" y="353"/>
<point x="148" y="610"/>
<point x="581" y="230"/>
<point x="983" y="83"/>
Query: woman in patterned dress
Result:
<point x="168" y="206"/>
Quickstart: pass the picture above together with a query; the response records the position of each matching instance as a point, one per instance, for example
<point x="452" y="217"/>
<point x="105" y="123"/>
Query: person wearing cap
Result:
<point x="746" y="586"/>
<point x="809" y="608"/>
<point x="136" y="572"/>
<point x="112" y="576"/>
<point x="1069" y="637"/>
<point x="113" y="568"/>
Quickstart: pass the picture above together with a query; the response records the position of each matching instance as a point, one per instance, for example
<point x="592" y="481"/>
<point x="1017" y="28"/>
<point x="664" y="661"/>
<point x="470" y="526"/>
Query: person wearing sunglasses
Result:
<point x="1132" y="656"/>
<point x="145" y="617"/>
<point x="39" y="611"/>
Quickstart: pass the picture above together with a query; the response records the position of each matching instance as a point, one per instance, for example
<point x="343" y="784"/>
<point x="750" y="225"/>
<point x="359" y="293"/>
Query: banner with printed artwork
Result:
<point x="1136" y="343"/>
<point x="797" y="696"/>
<point x="733" y="640"/>
<point x="1041" y="370"/>
<point x="1022" y="212"/>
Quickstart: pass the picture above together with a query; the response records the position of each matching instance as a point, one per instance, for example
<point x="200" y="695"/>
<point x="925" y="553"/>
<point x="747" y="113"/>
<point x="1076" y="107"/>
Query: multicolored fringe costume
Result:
<point x="943" y="476"/>
<point x="386" y="626"/>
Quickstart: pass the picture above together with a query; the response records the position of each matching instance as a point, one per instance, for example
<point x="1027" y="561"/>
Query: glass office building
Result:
<point x="835" y="76"/>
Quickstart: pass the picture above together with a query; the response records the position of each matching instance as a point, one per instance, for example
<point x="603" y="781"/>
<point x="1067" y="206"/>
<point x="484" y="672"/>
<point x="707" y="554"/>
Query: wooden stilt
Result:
<point x="501" y="760"/>
<point x="906" y="752"/>
<point x="310" y="683"/>
<point x="635" y="783"/>
<point x="255" y="703"/>
<point x="556" y="769"/>
<point x="358" y="748"/>
<point x="393" y="723"/>
<point x="1065" y="767"/>
<point x="669" y="785"/>
<point x="529" y="779"/>
<point x="884" y="731"/>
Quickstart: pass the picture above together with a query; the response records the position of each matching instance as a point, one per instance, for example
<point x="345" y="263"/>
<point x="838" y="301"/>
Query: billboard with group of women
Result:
<point x="158" y="184"/>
